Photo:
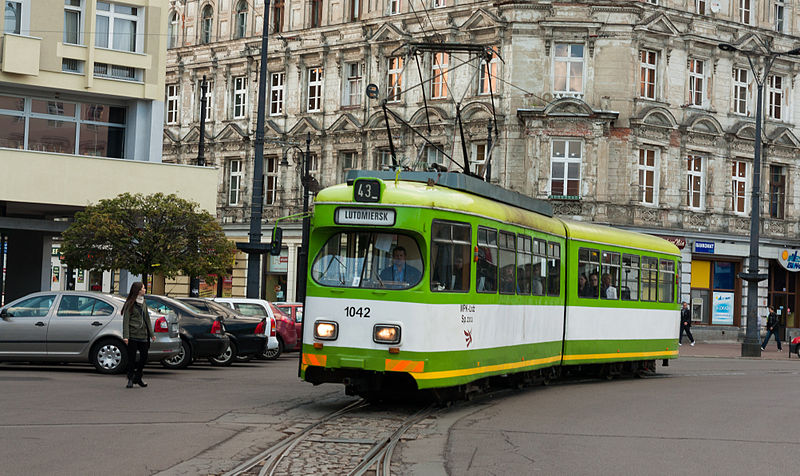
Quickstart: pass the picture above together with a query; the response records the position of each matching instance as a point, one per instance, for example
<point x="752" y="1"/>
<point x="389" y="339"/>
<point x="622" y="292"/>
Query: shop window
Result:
<point x="724" y="275"/>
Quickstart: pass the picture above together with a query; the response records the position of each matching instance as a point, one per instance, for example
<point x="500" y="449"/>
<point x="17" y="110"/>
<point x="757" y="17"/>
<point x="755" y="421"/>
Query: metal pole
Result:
<point x="488" y="157"/>
<point x="254" y="257"/>
<point x="303" y="271"/>
<point x="201" y="154"/>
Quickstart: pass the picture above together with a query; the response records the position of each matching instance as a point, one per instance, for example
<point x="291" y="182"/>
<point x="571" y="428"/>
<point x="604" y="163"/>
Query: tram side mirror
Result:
<point x="277" y="239"/>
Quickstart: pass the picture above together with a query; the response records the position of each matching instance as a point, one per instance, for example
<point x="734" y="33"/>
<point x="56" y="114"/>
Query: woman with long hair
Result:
<point x="136" y="333"/>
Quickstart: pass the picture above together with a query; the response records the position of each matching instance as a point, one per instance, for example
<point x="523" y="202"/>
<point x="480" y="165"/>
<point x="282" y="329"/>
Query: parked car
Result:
<point x="248" y="336"/>
<point x="202" y="335"/>
<point x="78" y="326"/>
<point x="287" y="336"/>
<point x="295" y="312"/>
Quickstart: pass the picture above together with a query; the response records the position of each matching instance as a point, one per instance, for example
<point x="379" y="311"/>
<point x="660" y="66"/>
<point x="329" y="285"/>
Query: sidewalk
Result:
<point x="731" y="350"/>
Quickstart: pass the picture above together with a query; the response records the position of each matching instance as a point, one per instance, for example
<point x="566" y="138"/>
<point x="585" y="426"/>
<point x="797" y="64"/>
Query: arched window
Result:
<point x="205" y="25"/>
<point x="241" y="19"/>
<point x="172" y="33"/>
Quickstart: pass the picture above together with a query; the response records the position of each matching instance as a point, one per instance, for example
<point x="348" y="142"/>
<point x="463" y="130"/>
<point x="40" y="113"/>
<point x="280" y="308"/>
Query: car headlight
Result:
<point x="326" y="330"/>
<point x="386" y="334"/>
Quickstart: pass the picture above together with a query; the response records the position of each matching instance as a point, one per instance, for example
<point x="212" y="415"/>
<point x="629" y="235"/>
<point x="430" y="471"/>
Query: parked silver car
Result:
<point x="77" y="326"/>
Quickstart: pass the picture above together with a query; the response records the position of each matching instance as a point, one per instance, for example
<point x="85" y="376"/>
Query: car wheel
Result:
<point x="180" y="361"/>
<point x="109" y="356"/>
<point x="274" y="353"/>
<point x="226" y="358"/>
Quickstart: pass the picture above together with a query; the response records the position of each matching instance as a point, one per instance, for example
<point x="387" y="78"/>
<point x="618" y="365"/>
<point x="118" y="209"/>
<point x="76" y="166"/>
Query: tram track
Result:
<point x="358" y="439"/>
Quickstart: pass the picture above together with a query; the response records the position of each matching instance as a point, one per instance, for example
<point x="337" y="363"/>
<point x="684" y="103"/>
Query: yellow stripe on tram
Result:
<point x="486" y="369"/>
<point x="621" y="354"/>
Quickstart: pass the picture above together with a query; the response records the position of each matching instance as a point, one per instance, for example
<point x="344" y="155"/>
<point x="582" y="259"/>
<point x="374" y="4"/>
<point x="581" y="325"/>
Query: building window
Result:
<point x="117" y="27"/>
<point x="739" y="187"/>
<point x="700" y="7"/>
<point x="394" y="78"/>
<point x="206" y="23"/>
<point x="235" y="182"/>
<point x="741" y="104"/>
<point x="744" y="11"/>
<point x="316" y="13"/>
<point x="277" y="16"/>
<point x="354" y="11"/>
<point x="568" y="69"/>
<point x="241" y="19"/>
<point x="433" y="155"/>
<point x="349" y="160"/>
<point x="394" y="7"/>
<point x="488" y="82"/>
<point x="778" y="14"/>
<point x="113" y="71"/>
<point x="92" y="129"/>
<point x="172" y="30"/>
<point x="439" y="3"/>
<point x="439" y="75"/>
<point x="652" y="2"/>
<point x="565" y="168"/>
<point x="777" y="191"/>
<point x="775" y="92"/>
<point x="477" y="159"/>
<point x="696" y="82"/>
<point x="351" y="96"/>
<point x="239" y="97"/>
<point x="270" y="179"/>
<point x="73" y="13"/>
<point x="173" y="96"/>
<point x="276" y="90"/>
<point x="696" y="182"/>
<point x="648" y="173"/>
<point x="209" y="97"/>
<point x="16" y="16"/>
<point x="314" y="89"/>
<point x="383" y="158"/>
<point x="647" y="81"/>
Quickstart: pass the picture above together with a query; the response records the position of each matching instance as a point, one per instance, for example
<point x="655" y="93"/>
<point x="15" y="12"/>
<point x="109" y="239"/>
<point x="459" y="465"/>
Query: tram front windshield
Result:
<point x="359" y="259"/>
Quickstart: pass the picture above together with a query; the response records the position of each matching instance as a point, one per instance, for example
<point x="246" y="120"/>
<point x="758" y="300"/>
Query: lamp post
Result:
<point x="254" y="248"/>
<point x="751" y="347"/>
<point x="304" y="181"/>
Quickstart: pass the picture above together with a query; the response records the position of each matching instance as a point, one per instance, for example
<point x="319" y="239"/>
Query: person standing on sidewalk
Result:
<point x="136" y="333"/>
<point x="686" y="324"/>
<point x="773" y="326"/>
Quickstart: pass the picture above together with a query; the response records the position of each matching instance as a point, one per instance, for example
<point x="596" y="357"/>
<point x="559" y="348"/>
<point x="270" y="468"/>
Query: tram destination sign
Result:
<point x="364" y="216"/>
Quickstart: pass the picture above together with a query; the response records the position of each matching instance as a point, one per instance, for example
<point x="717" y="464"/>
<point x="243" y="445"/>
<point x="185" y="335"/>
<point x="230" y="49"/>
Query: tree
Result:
<point x="157" y="233"/>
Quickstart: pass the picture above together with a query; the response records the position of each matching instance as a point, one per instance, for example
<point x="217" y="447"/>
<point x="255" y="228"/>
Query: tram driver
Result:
<point x="399" y="273"/>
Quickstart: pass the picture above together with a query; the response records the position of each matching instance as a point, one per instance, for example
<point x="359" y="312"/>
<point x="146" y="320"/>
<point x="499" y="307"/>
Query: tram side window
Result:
<point x="629" y="289"/>
<point x="539" y="268"/>
<point x="524" y="264"/>
<point x="588" y="273"/>
<point x="666" y="281"/>
<point x="507" y="263"/>
<point x="486" y="267"/>
<point x="649" y="279"/>
<point x="450" y="245"/>
<point x="609" y="279"/>
<point x="553" y="269"/>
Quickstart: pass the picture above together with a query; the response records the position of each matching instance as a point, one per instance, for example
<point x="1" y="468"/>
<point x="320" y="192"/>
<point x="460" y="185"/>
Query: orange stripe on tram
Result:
<point x="313" y="359"/>
<point x="405" y="365"/>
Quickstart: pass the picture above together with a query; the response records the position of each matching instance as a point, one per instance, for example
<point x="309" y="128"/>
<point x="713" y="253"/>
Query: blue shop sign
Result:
<point x="704" y="247"/>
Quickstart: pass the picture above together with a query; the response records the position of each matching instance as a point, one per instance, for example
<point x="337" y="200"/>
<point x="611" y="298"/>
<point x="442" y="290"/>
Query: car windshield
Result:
<point x="359" y="259"/>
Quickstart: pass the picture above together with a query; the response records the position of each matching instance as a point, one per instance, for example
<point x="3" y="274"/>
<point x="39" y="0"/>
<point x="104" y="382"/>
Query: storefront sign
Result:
<point x="675" y="240"/>
<point x="790" y="260"/>
<point x="704" y="247"/>
<point x="364" y="216"/>
<point x="279" y="264"/>
<point x="722" y="308"/>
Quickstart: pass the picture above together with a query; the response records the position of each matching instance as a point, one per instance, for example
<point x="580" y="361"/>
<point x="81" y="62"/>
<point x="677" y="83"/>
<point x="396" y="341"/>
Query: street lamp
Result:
<point x="751" y="347"/>
<point x="305" y="181"/>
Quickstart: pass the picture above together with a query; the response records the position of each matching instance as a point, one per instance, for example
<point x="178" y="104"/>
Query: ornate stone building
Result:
<point x="619" y="112"/>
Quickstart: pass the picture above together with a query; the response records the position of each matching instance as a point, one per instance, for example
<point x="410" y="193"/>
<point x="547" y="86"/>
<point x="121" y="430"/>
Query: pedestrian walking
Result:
<point x="773" y="326"/>
<point x="686" y="324"/>
<point x="136" y="333"/>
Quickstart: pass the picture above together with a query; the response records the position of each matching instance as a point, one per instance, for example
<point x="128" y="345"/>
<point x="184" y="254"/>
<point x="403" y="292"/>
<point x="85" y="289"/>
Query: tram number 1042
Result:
<point x="367" y="191"/>
<point x="352" y="311"/>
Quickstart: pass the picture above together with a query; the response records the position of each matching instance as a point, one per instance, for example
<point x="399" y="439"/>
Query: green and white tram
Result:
<point x="439" y="280"/>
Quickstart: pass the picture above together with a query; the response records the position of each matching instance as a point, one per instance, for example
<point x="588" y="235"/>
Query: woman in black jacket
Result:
<point x="136" y="333"/>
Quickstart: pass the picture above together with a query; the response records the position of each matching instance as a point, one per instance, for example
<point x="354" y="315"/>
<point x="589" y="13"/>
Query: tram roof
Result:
<point x="592" y="233"/>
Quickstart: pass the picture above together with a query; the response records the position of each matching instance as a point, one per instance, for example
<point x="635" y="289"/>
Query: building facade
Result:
<point x="618" y="112"/>
<point x="81" y="116"/>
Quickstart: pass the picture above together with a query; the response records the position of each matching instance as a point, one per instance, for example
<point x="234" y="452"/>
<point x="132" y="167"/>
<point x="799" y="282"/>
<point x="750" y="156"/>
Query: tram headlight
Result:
<point x="386" y="334"/>
<point x="326" y="330"/>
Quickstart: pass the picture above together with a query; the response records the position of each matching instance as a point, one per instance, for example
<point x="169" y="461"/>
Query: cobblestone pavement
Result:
<point x="732" y="350"/>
